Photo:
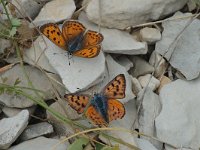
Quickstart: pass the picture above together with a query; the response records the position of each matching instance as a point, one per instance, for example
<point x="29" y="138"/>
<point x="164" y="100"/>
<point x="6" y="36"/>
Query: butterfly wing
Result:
<point x="92" y="38"/>
<point x="93" y="115"/>
<point x="53" y="33"/>
<point x="116" y="88"/>
<point x="77" y="102"/>
<point x="90" y="52"/>
<point x="115" y="109"/>
<point x="72" y="29"/>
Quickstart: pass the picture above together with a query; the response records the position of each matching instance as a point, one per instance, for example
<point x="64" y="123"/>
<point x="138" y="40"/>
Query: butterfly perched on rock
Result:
<point x="74" y="38"/>
<point x="103" y="107"/>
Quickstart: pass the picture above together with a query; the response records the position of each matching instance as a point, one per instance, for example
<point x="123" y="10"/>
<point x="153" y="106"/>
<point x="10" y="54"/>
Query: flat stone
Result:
<point x="27" y="7"/>
<point x="75" y="72"/>
<point x="4" y="44"/>
<point x="183" y="54"/>
<point x="11" y="128"/>
<point x="116" y="41"/>
<point x="36" y="130"/>
<point x="35" y="56"/>
<point x="144" y="144"/>
<point x="39" y="81"/>
<point x="158" y="63"/>
<point x="178" y="122"/>
<point x="150" y="109"/>
<point x="62" y="10"/>
<point x="40" y="143"/>
<point x="150" y="35"/>
<point x="11" y="112"/>
<point x="124" y="61"/>
<point x="153" y="84"/>
<point x="140" y="66"/>
<point x="115" y="14"/>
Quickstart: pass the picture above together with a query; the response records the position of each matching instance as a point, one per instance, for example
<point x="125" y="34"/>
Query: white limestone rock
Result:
<point x="150" y="35"/>
<point x="36" y="130"/>
<point x="153" y="84"/>
<point x="76" y="73"/>
<point x="144" y="144"/>
<point x="40" y="143"/>
<point x="124" y="61"/>
<point x="116" y="41"/>
<point x="184" y="53"/>
<point x="55" y="11"/>
<point x="136" y="86"/>
<point x="39" y="81"/>
<point x="10" y="111"/>
<point x="115" y="14"/>
<point x="140" y="66"/>
<point x="178" y="122"/>
<point x="11" y="128"/>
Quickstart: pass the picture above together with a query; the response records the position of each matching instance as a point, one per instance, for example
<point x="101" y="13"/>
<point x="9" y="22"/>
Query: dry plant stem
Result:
<point x="7" y="14"/>
<point x="5" y="68"/>
<point x="174" y="42"/>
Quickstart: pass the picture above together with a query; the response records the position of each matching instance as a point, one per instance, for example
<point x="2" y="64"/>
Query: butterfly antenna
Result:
<point x="68" y="58"/>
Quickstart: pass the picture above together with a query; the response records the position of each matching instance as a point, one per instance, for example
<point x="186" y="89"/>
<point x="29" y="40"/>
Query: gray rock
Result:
<point x="152" y="82"/>
<point x="62" y="10"/>
<point x="36" y="130"/>
<point x="40" y="143"/>
<point x="11" y="128"/>
<point x="150" y="35"/>
<point x="136" y="86"/>
<point x="150" y="109"/>
<point x="178" y="122"/>
<point x="39" y="81"/>
<point x="75" y="72"/>
<point x="116" y="41"/>
<point x="10" y="111"/>
<point x="183" y="54"/>
<point x="124" y="61"/>
<point x="115" y="14"/>
<point x="144" y="144"/>
<point x="27" y="8"/>
<point x="140" y="67"/>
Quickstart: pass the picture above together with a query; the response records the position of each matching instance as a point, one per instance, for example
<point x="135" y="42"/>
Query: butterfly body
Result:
<point x="103" y="107"/>
<point x="74" y="38"/>
<point x="99" y="101"/>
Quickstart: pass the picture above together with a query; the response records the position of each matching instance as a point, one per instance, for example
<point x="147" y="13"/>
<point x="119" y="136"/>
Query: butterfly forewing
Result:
<point x="52" y="32"/>
<point x="116" y="109"/>
<point x="72" y="29"/>
<point x="93" y="115"/>
<point x="116" y="88"/>
<point x="77" y="102"/>
<point x="92" y="38"/>
<point x="90" y="52"/>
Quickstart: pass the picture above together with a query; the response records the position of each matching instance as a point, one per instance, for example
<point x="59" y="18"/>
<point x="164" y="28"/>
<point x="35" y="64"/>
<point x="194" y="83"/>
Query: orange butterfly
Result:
<point x="104" y="107"/>
<point x="74" y="38"/>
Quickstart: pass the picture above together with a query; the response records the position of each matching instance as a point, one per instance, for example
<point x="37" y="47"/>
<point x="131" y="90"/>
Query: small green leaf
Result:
<point x="15" y="22"/>
<point x="98" y="146"/>
<point x="116" y="147"/>
<point x="13" y="31"/>
<point x="79" y="144"/>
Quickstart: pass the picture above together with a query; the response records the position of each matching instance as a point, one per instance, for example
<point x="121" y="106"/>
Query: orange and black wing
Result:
<point x="116" y="88"/>
<point x="53" y="33"/>
<point x="77" y="102"/>
<point x="116" y="109"/>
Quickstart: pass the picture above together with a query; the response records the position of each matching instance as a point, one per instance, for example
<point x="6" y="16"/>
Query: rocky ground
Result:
<point x="154" y="43"/>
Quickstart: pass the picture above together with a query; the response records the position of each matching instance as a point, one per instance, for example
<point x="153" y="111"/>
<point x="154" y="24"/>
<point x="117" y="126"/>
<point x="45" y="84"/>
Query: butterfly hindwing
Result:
<point x="72" y="29"/>
<point x="116" y="109"/>
<point x="92" y="38"/>
<point x="88" y="52"/>
<point x="93" y="115"/>
<point x="53" y="33"/>
<point x="77" y="102"/>
<point x="116" y="88"/>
